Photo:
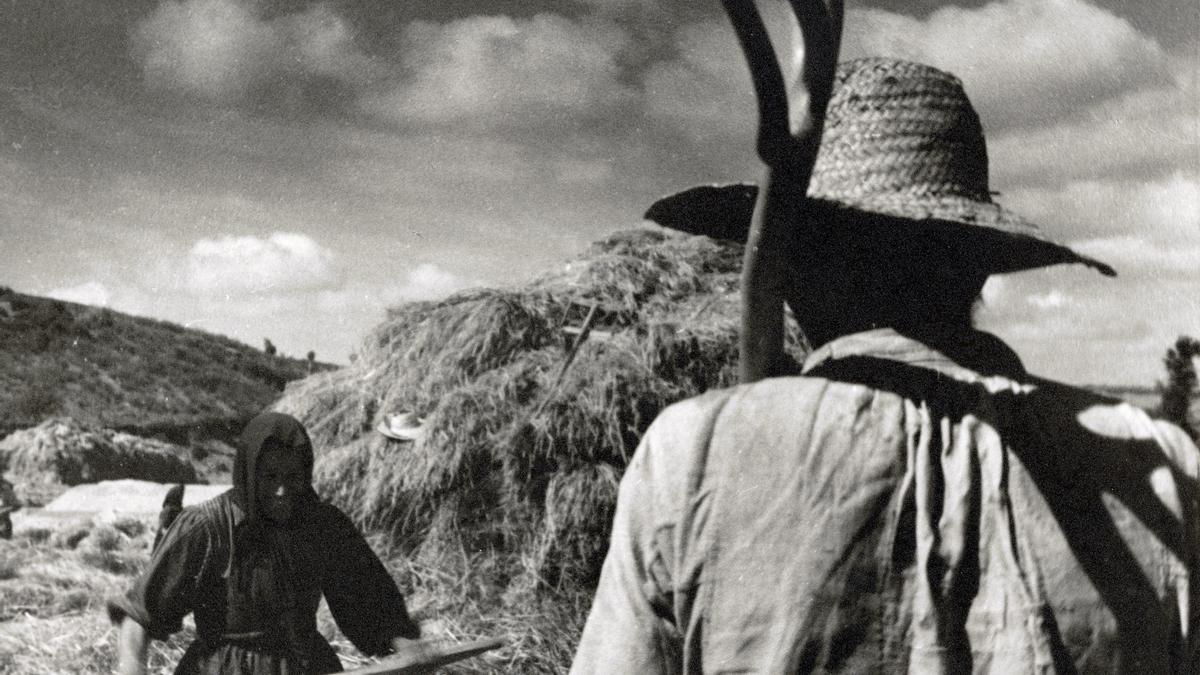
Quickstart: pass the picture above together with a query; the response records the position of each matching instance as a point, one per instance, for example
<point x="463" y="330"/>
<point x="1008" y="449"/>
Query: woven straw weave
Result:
<point x="902" y="139"/>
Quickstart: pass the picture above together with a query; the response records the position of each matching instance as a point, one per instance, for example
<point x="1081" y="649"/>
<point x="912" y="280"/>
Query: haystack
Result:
<point x="526" y="432"/>
<point x="42" y="462"/>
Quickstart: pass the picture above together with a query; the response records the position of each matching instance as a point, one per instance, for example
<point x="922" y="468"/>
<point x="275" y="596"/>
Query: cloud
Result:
<point x="503" y="72"/>
<point x="1022" y="62"/>
<point x="429" y="282"/>
<point x="1142" y="133"/>
<point x="284" y="262"/>
<point x="426" y="281"/>
<point x="1164" y="212"/>
<point x="225" y="51"/>
<point x="88" y="293"/>
<point x="1070" y="323"/>
<point x="1134" y="256"/>
<point x="706" y="91"/>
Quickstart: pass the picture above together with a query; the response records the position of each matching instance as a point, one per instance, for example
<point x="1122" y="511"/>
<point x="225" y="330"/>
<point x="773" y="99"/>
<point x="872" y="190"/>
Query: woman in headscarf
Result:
<point x="252" y="564"/>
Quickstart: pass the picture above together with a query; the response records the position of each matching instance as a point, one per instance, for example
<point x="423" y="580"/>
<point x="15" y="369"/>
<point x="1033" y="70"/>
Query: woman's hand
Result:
<point x="131" y="648"/>
<point x="411" y="651"/>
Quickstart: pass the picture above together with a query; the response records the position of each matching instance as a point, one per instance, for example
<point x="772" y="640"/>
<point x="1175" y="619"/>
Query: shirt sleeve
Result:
<point x="630" y="628"/>
<point x="363" y="598"/>
<point x="166" y="591"/>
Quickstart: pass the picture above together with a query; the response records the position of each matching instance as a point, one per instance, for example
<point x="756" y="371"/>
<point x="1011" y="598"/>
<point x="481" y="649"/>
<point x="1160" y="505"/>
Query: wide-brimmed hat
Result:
<point x="901" y="140"/>
<point x="403" y="426"/>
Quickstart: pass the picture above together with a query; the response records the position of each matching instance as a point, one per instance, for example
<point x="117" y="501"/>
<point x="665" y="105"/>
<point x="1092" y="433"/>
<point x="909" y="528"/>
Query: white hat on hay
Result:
<point x="403" y="426"/>
<point x="901" y="141"/>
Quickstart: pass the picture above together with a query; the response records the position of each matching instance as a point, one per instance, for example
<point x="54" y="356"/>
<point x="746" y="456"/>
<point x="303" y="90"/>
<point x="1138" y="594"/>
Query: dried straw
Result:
<point x="520" y="457"/>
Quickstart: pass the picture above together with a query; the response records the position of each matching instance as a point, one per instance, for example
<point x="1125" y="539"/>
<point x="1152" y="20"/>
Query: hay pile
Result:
<point x="525" y="438"/>
<point x="42" y="462"/>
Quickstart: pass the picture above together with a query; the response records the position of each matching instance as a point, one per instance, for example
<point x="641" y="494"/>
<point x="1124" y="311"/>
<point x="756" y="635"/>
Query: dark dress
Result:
<point x="255" y="611"/>
<point x="253" y="586"/>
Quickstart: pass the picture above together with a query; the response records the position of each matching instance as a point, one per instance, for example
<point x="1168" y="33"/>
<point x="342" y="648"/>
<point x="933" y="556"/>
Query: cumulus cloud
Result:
<point x="88" y="293"/>
<point x="284" y="262"/>
<point x="500" y="71"/>
<point x="1134" y="256"/>
<point x="1022" y="61"/>
<point x="1067" y="323"/>
<point x="706" y="91"/>
<point x="1165" y="212"/>
<point x="1139" y="134"/>
<point x="428" y="282"/>
<point x="226" y="51"/>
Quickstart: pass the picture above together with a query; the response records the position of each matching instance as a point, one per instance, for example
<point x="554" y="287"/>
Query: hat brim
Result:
<point x="401" y="434"/>
<point x="994" y="237"/>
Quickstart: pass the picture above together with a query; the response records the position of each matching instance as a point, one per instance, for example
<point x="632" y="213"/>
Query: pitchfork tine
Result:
<point x="775" y="137"/>
<point x="769" y="88"/>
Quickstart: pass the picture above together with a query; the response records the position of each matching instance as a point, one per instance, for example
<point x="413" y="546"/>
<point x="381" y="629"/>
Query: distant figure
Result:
<point x="8" y="504"/>
<point x="171" y="507"/>
<point x="252" y="564"/>
<point x="914" y="501"/>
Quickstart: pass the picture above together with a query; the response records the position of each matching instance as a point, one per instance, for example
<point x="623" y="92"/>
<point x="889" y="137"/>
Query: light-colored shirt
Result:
<point x="902" y="507"/>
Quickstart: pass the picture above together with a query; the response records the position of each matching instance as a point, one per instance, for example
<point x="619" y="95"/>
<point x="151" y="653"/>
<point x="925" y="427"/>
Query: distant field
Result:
<point x="1146" y="398"/>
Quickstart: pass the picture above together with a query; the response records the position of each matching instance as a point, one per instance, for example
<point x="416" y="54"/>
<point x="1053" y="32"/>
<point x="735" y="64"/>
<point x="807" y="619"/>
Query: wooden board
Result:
<point x="435" y="655"/>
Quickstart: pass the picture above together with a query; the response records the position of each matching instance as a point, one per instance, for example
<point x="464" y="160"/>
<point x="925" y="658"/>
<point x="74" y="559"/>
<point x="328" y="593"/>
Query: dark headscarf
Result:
<point x="268" y="429"/>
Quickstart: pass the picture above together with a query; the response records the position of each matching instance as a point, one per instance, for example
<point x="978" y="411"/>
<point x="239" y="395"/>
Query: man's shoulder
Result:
<point x="770" y="392"/>
<point x="1069" y="413"/>
<point x="693" y="423"/>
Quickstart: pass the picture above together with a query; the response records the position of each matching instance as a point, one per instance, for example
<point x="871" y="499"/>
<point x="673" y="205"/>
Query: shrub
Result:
<point x="1181" y="384"/>
<point x="71" y="534"/>
<point x="11" y="560"/>
<point x="104" y="537"/>
<point x="35" y="535"/>
<point x="113" y="561"/>
<point x="72" y="601"/>
<point x="130" y="527"/>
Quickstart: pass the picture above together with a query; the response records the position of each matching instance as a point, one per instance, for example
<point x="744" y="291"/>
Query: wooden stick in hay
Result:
<point x="583" y="336"/>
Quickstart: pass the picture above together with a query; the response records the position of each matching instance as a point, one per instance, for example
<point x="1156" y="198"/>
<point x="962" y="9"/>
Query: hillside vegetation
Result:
<point x="110" y="369"/>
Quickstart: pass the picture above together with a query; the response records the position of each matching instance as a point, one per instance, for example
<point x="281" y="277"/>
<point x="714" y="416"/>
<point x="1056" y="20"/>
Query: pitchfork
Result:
<point x="787" y="143"/>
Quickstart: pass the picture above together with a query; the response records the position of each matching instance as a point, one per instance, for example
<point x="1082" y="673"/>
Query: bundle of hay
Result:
<point x="526" y="433"/>
<point x="42" y="462"/>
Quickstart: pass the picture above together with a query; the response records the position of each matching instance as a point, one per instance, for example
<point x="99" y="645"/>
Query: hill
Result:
<point x="142" y="376"/>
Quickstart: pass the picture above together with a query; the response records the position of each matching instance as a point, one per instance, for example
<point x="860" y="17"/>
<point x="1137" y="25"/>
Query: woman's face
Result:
<point x="279" y="483"/>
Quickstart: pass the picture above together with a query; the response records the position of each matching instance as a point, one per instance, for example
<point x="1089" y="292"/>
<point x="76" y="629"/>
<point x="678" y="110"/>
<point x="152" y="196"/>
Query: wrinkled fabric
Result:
<point x="254" y="587"/>
<point x="907" y="505"/>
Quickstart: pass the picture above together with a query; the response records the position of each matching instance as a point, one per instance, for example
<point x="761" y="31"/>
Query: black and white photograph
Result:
<point x="599" y="336"/>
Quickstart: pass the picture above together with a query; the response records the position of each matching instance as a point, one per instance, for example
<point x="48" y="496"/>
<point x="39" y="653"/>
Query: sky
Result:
<point x="287" y="170"/>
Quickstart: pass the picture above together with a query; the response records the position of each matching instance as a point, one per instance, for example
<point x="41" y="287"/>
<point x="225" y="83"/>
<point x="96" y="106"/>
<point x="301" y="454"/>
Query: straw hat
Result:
<point x="901" y="140"/>
<point x="404" y="426"/>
